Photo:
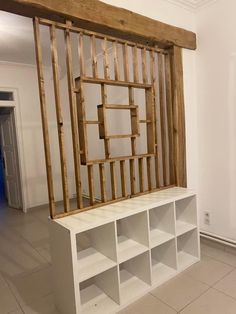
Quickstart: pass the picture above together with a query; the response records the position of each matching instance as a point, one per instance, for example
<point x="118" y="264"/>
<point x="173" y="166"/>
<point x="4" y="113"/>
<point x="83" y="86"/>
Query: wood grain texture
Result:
<point x="60" y="126"/>
<point x="74" y="117"/>
<point x="118" y="21"/>
<point x="43" y="106"/>
<point x="179" y="117"/>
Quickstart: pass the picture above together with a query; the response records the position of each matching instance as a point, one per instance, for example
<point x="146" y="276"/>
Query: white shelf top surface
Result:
<point x="128" y="248"/>
<point x="95" y="217"/>
<point x="91" y="263"/>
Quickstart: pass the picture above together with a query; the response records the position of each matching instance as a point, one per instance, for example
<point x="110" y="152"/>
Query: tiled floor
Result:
<point x="208" y="287"/>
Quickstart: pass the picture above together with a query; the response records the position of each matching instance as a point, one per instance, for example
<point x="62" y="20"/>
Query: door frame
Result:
<point x="15" y="105"/>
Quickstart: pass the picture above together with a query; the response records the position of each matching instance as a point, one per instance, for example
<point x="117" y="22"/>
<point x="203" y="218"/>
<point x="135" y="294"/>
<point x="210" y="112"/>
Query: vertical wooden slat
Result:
<point x="169" y="108"/>
<point x="162" y="117"/>
<point x="102" y="182"/>
<point x="73" y="114"/>
<point x="151" y="117"/>
<point x="126" y="62"/>
<point x="135" y="64"/>
<point x="103" y="117"/>
<point x="133" y="147"/>
<point x="113" y="180"/>
<point x="149" y="173"/>
<point x="81" y="119"/>
<point x="179" y="117"/>
<point x="91" y="184"/>
<point x="144" y="65"/>
<point x="154" y="82"/>
<point x="105" y="60"/>
<point x="141" y="176"/>
<point x="60" y="127"/>
<point x="81" y="54"/>
<point x="94" y="56"/>
<point x="123" y="178"/>
<point x="39" y="59"/>
<point x="116" y="61"/>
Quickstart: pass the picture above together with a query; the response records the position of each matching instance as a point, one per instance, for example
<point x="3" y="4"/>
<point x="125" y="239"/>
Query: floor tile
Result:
<point x="148" y="305"/>
<point x="208" y="270"/>
<point x="212" y="302"/>
<point x="41" y="306"/>
<point x="30" y="287"/>
<point x="219" y="254"/>
<point x="36" y="233"/>
<point x="16" y="312"/>
<point x="16" y="259"/>
<point x="228" y="284"/>
<point x="180" y="291"/>
<point x="8" y="302"/>
<point x="45" y="252"/>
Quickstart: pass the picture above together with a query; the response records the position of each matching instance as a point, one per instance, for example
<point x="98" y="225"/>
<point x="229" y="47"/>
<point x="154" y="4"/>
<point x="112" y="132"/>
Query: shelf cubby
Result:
<point x="132" y="236"/>
<point x="96" y="251"/>
<point x="164" y="261"/>
<point x="135" y="277"/>
<point x="100" y="294"/>
<point x="186" y="215"/>
<point x="188" y="249"/>
<point x="162" y="224"/>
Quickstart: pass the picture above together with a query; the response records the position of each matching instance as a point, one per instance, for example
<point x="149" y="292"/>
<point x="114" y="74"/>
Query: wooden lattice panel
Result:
<point x="126" y="65"/>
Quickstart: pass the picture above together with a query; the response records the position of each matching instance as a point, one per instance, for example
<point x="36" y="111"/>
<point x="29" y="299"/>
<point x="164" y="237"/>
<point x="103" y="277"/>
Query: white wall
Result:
<point x="216" y="101"/>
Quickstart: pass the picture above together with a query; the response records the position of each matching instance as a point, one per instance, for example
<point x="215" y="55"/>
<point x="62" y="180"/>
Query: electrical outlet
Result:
<point x="207" y="218"/>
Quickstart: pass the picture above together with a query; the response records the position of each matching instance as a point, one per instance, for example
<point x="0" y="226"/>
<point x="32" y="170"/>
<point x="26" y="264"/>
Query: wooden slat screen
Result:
<point x="117" y="64"/>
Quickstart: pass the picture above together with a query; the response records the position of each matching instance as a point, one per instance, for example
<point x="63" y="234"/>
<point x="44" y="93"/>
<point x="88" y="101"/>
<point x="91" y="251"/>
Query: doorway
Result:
<point x="10" y="184"/>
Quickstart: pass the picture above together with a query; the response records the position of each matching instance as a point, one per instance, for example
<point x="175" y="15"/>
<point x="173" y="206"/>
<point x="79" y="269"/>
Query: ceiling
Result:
<point x="192" y="4"/>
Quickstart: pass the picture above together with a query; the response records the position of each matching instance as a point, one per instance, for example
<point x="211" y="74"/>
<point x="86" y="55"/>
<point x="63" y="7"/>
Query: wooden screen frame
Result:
<point x="154" y="32"/>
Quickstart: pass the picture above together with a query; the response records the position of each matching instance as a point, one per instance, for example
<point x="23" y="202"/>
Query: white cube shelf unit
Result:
<point x="106" y="258"/>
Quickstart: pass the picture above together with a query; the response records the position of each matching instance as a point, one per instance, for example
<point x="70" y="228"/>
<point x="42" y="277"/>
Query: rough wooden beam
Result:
<point x="178" y="117"/>
<point x="106" y="19"/>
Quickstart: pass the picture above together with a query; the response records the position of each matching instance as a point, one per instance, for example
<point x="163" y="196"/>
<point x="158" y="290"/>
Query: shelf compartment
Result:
<point x="132" y="236"/>
<point x="188" y="249"/>
<point x="96" y="251"/>
<point x="183" y="227"/>
<point x="135" y="277"/>
<point x="100" y="294"/>
<point x="162" y="224"/>
<point x="186" y="215"/>
<point x="128" y="248"/>
<point x="164" y="261"/>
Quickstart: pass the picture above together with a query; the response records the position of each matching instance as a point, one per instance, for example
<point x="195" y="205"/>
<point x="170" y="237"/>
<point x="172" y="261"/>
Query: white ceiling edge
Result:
<point x="192" y="5"/>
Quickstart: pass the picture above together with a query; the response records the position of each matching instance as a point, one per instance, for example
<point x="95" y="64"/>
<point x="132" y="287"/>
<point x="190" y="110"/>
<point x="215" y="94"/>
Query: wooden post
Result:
<point x="105" y="60"/>
<point x="162" y="116"/>
<point x="169" y="109"/>
<point x="39" y="59"/>
<point x="126" y="62"/>
<point x="94" y="56"/>
<point x="91" y="184"/>
<point x="74" y="115"/>
<point x="178" y="117"/>
<point x="116" y="61"/>
<point x="123" y="178"/>
<point x="154" y="84"/>
<point x="60" y="127"/>
<point x="102" y="182"/>
<point x="113" y="180"/>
